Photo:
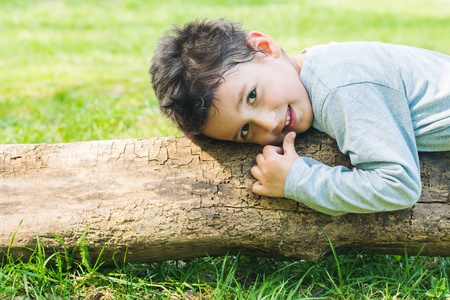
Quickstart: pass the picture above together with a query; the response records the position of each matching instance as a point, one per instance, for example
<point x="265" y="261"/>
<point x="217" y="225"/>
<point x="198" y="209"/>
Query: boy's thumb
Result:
<point x="289" y="142"/>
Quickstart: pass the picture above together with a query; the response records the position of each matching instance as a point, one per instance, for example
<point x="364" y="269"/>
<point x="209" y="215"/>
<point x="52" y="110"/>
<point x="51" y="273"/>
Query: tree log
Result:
<point x="166" y="198"/>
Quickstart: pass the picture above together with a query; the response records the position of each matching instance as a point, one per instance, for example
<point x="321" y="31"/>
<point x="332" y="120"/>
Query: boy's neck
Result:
<point x="298" y="61"/>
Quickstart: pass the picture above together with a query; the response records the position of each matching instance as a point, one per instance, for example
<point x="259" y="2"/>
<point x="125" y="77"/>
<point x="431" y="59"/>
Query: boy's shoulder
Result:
<point x="340" y="64"/>
<point x="355" y="50"/>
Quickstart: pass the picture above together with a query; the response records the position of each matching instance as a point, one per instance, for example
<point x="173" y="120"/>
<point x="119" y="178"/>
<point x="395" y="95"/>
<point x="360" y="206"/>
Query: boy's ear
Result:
<point x="264" y="43"/>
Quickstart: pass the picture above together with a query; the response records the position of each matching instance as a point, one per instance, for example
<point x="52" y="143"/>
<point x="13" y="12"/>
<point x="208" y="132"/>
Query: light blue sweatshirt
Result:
<point x="382" y="103"/>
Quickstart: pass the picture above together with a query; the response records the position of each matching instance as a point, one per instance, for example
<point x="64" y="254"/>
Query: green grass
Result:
<point x="77" y="70"/>
<point x="350" y="276"/>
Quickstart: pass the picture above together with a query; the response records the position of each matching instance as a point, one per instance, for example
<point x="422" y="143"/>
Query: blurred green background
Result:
<point x="78" y="70"/>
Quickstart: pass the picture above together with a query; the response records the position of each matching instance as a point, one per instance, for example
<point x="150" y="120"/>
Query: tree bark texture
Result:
<point x="166" y="198"/>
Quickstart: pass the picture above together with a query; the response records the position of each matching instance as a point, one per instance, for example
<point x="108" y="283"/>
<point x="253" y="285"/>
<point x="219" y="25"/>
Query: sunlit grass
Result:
<point x="77" y="70"/>
<point x="350" y="276"/>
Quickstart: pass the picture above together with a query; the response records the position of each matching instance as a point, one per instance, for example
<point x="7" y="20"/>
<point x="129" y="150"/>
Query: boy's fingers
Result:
<point x="259" y="189"/>
<point x="269" y="149"/>
<point x="256" y="187"/>
<point x="289" y="142"/>
<point x="279" y="150"/>
<point x="260" y="159"/>
<point x="256" y="172"/>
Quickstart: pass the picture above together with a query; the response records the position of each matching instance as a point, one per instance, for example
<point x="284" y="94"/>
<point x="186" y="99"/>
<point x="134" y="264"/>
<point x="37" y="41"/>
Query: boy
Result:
<point x="382" y="103"/>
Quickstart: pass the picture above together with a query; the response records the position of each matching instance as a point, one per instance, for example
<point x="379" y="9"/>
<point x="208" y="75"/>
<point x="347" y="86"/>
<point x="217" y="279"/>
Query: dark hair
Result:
<point x="188" y="66"/>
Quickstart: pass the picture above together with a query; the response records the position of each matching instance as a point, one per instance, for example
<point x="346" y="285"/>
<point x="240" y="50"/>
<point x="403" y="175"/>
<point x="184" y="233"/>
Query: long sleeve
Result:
<point x="381" y="146"/>
<point x="382" y="103"/>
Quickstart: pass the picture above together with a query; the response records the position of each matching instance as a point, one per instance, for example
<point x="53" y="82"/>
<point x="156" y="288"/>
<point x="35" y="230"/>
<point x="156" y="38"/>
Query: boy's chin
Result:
<point x="274" y="143"/>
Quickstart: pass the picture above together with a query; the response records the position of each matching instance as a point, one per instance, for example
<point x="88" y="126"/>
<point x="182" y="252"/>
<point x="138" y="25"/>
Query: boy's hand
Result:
<point x="273" y="166"/>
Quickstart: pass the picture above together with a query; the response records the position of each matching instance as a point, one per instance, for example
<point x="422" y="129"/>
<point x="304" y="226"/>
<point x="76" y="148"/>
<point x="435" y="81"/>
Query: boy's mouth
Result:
<point x="291" y="119"/>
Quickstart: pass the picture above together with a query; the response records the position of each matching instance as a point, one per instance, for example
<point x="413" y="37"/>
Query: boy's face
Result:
<point x="260" y="102"/>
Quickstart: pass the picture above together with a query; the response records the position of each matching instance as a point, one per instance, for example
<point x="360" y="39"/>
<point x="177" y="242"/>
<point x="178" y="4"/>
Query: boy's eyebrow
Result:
<point x="239" y="101"/>
<point x="240" y="98"/>
<point x="236" y="134"/>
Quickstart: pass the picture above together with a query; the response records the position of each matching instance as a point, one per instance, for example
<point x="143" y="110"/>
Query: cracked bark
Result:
<point x="165" y="198"/>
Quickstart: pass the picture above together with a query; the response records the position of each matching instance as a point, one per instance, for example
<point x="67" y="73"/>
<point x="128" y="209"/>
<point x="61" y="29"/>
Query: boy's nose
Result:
<point x="267" y="121"/>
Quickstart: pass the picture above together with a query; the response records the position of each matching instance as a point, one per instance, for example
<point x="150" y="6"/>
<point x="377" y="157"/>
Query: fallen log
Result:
<point x="166" y="198"/>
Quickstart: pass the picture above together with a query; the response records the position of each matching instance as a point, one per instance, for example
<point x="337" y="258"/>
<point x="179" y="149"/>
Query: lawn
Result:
<point x="78" y="70"/>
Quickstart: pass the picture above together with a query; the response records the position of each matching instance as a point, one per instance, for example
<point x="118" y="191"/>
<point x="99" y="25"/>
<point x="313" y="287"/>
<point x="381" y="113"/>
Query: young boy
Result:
<point x="382" y="103"/>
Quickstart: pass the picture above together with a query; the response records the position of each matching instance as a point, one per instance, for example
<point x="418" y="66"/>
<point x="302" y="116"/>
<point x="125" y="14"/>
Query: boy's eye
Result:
<point x="244" y="130"/>
<point x="252" y="97"/>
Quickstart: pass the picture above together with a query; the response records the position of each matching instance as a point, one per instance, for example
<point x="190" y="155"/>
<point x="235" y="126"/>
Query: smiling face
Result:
<point x="260" y="101"/>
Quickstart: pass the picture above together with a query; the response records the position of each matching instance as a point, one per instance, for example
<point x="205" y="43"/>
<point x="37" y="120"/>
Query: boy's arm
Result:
<point x="371" y="124"/>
